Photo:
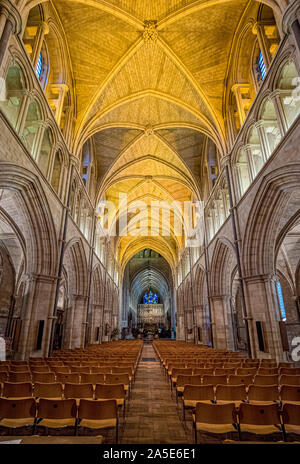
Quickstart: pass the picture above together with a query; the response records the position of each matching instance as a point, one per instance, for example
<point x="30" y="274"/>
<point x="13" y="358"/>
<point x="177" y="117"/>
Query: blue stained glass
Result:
<point x="150" y="298"/>
<point x="262" y="66"/>
<point x="39" y="67"/>
<point x="281" y="302"/>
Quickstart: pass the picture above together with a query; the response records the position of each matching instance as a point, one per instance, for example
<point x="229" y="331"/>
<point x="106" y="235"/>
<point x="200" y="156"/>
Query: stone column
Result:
<point x="79" y="320"/>
<point x="222" y="324"/>
<point x="38" y="303"/>
<point x="252" y="173"/>
<point x="265" y="148"/>
<point x="60" y="90"/>
<point x="10" y="22"/>
<point x="280" y="116"/>
<point x="42" y="31"/>
<point x="218" y="322"/>
<point x="262" y="304"/>
<point x="7" y="30"/>
<point x="237" y="90"/>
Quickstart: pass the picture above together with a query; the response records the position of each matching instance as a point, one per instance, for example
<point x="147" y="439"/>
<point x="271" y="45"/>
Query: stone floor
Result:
<point x="153" y="416"/>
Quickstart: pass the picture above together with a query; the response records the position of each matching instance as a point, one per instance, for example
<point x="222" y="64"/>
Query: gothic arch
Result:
<point x="270" y="204"/>
<point x="35" y="223"/>
<point x="222" y="264"/>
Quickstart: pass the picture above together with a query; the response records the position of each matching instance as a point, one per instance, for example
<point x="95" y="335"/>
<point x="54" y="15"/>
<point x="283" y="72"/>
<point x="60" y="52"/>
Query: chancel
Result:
<point x="150" y="221"/>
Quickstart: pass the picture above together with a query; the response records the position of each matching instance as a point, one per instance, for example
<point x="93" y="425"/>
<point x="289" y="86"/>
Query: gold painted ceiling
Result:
<point x="150" y="94"/>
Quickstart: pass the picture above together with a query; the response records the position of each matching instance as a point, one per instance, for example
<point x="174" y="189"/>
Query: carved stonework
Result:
<point x="149" y="131"/>
<point x="150" y="33"/>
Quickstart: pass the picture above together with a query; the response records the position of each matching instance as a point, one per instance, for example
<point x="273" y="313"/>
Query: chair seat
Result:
<point x="192" y="403"/>
<point x="57" y="423"/>
<point x="180" y="389"/>
<point x="263" y="402"/>
<point x="290" y="402"/>
<point x="17" y="422"/>
<point x="292" y="428"/>
<point x="215" y="428"/>
<point x="98" y="424"/>
<point x="120" y="401"/>
<point x="237" y="402"/>
<point x="17" y="397"/>
<point x="259" y="429"/>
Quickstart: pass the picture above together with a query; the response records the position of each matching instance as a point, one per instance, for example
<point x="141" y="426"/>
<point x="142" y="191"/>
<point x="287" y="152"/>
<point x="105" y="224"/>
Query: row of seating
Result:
<point x="111" y="374"/>
<point x="258" y="419"/>
<point x="49" y="413"/>
<point x="247" y="383"/>
<point x="261" y="380"/>
<point x="238" y="394"/>
<point x="79" y="387"/>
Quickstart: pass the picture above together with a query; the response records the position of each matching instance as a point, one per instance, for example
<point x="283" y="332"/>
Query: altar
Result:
<point x="151" y="315"/>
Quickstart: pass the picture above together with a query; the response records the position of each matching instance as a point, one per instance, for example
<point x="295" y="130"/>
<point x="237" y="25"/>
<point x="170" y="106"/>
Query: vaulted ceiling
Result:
<point x="149" y="79"/>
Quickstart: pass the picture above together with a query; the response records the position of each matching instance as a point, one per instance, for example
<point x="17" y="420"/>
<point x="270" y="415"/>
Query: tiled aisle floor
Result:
<point x="152" y="416"/>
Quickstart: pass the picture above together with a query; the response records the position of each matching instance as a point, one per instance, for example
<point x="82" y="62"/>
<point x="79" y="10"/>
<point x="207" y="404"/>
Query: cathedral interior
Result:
<point x="115" y="115"/>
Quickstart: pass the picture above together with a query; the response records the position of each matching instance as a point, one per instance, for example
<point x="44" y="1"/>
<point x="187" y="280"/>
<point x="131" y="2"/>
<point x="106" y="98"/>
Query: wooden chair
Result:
<point x="194" y="393"/>
<point x="17" y="413"/>
<point x="68" y="378"/>
<point x="17" y="390"/>
<point x="214" y="379"/>
<point x="285" y="379"/>
<point x="78" y="391"/>
<point x="99" y="414"/>
<point x="263" y="394"/>
<point x="240" y="379"/>
<point x="57" y="413"/>
<point x="19" y="376"/>
<point x="231" y="394"/>
<point x="43" y="377"/>
<point x="214" y="418"/>
<point x="290" y="394"/>
<point x="112" y="392"/>
<point x="259" y="419"/>
<point x="92" y="378"/>
<point x="265" y="379"/>
<point x="291" y="418"/>
<point x="267" y="371"/>
<point x="52" y="391"/>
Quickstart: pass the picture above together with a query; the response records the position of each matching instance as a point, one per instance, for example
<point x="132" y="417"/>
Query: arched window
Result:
<point x="56" y="173"/>
<point x="289" y="85"/>
<point x="31" y="126"/>
<point x="39" y="66"/>
<point x="243" y="171"/>
<point x="255" y="149"/>
<point x="261" y="66"/>
<point x="12" y="93"/>
<point x="86" y="163"/>
<point x="212" y="161"/>
<point x="45" y="151"/>
<point x="270" y="125"/>
<point x="280" y="300"/>
<point x="150" y="298"/>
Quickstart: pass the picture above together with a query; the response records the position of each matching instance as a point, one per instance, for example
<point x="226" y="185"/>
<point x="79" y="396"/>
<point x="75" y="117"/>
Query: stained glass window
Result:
<point x="281" y="302"/>
<point x="261" y="66"/>
<point x="39" y="66"/>
<point x="150" y="298"/>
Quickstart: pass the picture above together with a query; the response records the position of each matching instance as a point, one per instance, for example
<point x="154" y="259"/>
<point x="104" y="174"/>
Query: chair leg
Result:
<point x="283" y="431"/>
<point x="195" y="432"/>
<point x="117" y="432"/>
<point x="239" y="432"/>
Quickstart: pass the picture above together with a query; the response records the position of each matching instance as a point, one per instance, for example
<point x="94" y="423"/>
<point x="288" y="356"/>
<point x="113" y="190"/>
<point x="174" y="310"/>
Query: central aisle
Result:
<point x="152" y="416"/>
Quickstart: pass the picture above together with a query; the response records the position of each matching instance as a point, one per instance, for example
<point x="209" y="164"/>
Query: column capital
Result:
<point x="10" y="11"/>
